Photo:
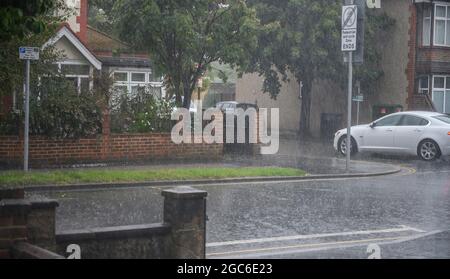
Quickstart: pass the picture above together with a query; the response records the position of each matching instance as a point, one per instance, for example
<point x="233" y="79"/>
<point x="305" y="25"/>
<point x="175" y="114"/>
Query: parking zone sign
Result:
<point x="349" y="27"/>
<point x="29" y="53"/>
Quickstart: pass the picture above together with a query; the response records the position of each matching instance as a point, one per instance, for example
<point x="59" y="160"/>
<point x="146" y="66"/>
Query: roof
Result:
<point x="125" y="61"/>
<point x="101" y="41"/>
<point x="67" y="32"/>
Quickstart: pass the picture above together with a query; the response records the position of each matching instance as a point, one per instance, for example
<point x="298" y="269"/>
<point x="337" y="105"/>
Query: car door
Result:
<point x="380" y="137"/>
<point x="408" y="133"/>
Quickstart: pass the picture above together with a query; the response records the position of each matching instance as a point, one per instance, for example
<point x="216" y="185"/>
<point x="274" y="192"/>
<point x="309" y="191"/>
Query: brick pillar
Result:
<point x="41" y="229"/>
<point x="106" y="133"/>
<point x="185" y="212"/>
<point x="14" y="212"/>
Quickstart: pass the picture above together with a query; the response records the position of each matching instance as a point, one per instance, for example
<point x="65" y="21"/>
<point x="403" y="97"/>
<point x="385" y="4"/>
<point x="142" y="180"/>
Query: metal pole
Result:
<point x="357" y="113"/>
<point x="349" y="109"/>
<point x="358" y="87"/>
<point x="27" y="117"/>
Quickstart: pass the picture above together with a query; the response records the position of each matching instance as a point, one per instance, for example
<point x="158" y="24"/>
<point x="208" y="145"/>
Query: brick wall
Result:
<point x="13" y="219"/>
<point x="412" y="44"/>
<point x="27" y="230"/>
<point x="114" y="147"/>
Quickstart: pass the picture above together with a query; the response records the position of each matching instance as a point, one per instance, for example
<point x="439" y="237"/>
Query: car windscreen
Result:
<point x="443" y="118"/>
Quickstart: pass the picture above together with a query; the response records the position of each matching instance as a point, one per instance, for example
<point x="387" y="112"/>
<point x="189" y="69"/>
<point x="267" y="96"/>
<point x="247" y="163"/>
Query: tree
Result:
<point x="19" y="18"/>
<point x="185" y="36"/>
<point x="27" y="23"/>
<point x="302" y="37"/>
<point x="100" y="15"/>
<point x="56" y="108"/>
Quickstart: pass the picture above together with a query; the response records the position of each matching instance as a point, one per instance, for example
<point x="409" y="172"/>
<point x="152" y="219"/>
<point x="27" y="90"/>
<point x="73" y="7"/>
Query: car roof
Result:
<point x="420" y="113"/>
<point x="228" y="102"/>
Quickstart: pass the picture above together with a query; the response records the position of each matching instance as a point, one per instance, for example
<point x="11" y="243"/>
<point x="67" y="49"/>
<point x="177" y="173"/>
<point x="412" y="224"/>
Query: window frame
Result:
<point x="446" y="20"/>
<point x="423" y="90"/>
<point x="429" y="18"/>
<point x="444" y="89"/>
<point x="129" y="84"/>
<point x="77" y="76"/>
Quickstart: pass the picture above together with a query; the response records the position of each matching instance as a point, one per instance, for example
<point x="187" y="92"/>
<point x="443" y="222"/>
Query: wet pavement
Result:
<point x="406" y="214"/>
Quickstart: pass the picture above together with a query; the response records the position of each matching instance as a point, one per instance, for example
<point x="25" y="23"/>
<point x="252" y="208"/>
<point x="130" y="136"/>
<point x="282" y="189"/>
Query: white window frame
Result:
<point x="79" y="77"/>
<point x="445" y="19"/>
<point x="444" y="89"/>
<point x="423" y="90"/>
<point x="129" y="83"/>
<point x="427" y="18"/>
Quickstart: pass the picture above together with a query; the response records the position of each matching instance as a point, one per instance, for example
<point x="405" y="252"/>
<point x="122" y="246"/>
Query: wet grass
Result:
<point x="67" y="177"/>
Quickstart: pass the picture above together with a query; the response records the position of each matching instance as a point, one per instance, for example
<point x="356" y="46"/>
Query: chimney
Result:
<point x="82" y="20"/>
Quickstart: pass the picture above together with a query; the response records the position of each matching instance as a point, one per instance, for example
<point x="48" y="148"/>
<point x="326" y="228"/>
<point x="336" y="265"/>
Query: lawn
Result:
<point x="67" y="177"/>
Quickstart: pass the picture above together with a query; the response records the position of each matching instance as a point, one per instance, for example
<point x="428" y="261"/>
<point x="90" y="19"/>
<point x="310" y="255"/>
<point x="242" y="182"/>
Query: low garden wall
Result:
<point x="102" y="148"/>
<point x="27" y="230"/>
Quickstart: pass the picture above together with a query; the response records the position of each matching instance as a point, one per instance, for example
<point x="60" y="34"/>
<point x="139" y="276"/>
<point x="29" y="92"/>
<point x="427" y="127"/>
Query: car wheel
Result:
<point x="428" y="150"/>
<point x="342" y="146"/>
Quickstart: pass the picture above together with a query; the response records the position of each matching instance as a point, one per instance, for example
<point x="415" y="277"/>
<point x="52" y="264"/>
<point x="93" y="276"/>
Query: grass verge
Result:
<point x="67" y="177"/>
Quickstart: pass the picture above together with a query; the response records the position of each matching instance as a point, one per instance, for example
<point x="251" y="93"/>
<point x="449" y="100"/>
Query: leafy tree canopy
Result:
<point x="22" y="17"/>
<point x="185" y="36"/>
<point x="302" y="37"/>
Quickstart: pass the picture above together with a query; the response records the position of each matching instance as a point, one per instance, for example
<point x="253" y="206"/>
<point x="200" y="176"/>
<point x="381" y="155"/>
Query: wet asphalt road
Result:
<point x="406" y="214"/>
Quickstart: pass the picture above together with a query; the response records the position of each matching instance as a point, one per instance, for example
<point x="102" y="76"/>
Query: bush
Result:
<point x="59" y="111"/>
<point x="141" y="113"/>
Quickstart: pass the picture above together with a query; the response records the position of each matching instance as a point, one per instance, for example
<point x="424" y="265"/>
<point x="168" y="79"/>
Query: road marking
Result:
<point x="305" y="246"/>
<point x="310" y="236"/>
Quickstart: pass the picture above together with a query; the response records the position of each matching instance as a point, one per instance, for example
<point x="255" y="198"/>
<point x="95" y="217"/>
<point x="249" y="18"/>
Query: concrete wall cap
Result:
<point x="42" y="203"/>
<point x="14" y="205"/>
<point x="184" y="192"/>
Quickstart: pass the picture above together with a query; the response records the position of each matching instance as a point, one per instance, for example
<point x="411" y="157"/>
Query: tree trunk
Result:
<point x="187" y="95"/>
<point x="305" y="113"/>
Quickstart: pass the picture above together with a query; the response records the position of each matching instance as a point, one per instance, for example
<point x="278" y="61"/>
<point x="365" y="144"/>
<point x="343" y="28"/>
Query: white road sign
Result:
<point x="29" y="53"/>
<point x="349" y="27"/>
<point x="358" y="98"/>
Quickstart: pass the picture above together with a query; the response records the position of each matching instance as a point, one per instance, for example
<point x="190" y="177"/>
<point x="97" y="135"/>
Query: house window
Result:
<point x="134" y="81"/>
<point x="442" y="25"/>
<point x="78" y="74"/>
<point x="426" y="28"/>
<point x="441" y="93"/>
<point x="424" y="85"/>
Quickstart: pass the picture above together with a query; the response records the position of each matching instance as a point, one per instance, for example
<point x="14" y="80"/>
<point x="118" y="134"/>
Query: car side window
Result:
<point x="410" y="120"/>
<point x="389" y="121"/>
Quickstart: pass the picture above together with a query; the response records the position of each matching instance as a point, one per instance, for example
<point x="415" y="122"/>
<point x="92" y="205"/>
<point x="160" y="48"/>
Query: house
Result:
<point x="87" y="49"/>
<point x="416" y="65"/>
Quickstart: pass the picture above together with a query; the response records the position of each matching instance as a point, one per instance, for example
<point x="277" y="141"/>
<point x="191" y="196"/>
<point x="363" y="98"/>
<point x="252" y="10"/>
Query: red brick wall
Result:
<point x="412" y="44"/>
<point x="82" y="19"/>
<point x="115" y="147"/>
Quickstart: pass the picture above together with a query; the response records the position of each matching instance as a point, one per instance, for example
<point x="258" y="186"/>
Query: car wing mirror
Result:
<point x="373" y="125"/>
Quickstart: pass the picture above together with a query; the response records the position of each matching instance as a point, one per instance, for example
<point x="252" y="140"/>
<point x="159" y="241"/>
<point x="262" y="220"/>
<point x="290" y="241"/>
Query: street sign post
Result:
<point x="27" y="54"/>
<point x="358" y="99"/>
<point x="349" y="35"/>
